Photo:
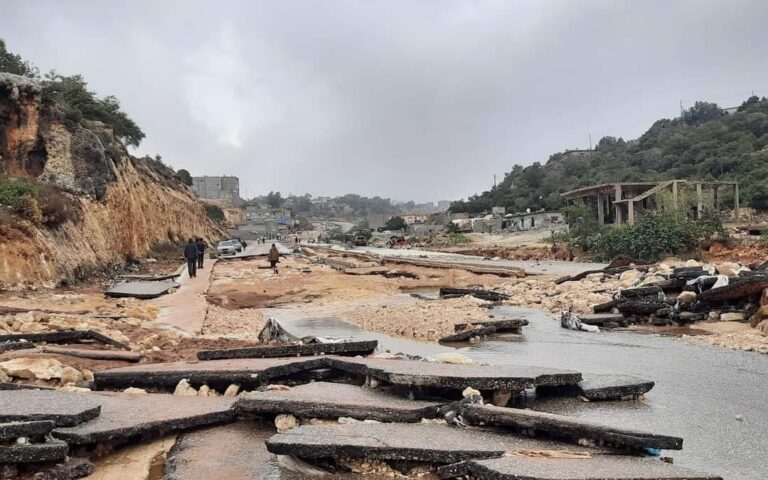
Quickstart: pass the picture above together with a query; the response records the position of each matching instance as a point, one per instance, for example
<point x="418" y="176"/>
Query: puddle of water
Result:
<point x="157" y="467"/>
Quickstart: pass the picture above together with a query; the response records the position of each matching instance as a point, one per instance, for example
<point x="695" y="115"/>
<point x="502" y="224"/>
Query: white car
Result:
<point x="226" y="247"/>
<point x="238" y="246"/>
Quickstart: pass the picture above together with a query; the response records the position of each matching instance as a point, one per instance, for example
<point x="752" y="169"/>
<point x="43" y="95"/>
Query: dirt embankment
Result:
<point x="120" y="206"/>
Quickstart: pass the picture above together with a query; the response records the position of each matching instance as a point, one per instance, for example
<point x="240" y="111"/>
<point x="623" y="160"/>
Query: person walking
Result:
<point x="274" y="257"/>
<point x="190" y="253"/>
<point x="200" y="253"/>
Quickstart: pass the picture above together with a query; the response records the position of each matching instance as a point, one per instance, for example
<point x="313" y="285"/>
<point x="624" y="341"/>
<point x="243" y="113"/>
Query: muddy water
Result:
<point x="699" y="390"/>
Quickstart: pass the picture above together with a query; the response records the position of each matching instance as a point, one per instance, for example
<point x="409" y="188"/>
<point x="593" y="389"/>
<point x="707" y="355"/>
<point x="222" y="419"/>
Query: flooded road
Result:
<point x="699" y="390"/>
<point x="714" y="398"/>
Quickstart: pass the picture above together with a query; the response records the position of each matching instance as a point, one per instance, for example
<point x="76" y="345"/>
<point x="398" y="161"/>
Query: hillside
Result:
<point x="704" y="143"/>
<point x="72" y="200"/>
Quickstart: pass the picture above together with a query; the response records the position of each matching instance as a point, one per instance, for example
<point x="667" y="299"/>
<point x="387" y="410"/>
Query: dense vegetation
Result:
<point x="705" y="143"/>
<point x="77" y="104"/>
<point x="651" y="238"/>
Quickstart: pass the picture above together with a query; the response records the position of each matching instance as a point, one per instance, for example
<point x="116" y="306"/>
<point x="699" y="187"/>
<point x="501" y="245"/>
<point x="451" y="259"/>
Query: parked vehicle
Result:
<point x="361" y="241"/>
<point x="226" y="247"/>
<point x="237" y="243"/>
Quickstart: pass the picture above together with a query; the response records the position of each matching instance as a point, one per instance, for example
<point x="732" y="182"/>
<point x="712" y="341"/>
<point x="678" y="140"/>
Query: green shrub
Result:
<point x="458" y="238"/>
<point x="653" y="236"/>
<point x="14" y="190"/>
<point x="215" y="213"/>
<point x="39" y="203"/>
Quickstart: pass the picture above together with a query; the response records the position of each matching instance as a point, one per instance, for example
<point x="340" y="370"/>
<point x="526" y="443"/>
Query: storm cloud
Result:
<point x="422" y="100"/>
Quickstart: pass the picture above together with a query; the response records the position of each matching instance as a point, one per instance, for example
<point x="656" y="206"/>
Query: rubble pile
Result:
<point x="667" y="294"/>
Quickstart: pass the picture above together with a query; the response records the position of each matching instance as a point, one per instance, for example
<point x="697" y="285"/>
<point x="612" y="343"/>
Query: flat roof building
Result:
<point x="217" y="188"/>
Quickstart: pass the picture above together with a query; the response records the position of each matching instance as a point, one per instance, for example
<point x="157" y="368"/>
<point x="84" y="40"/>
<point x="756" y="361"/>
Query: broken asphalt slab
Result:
<point x="66" y="336"/>
<point x="141" y="290"/>
<point x="600" y="319"/>
<point x="489" y="295"/>
<point x="151" y="278"/>
<point x="14" y="430"/>
<point x="307" y="349"/>
<point x="63" y="408"/>
<point x="503" y="325"/>
<point x="386" y="441"/>
<point x="613" y="387"/>
<point x="51" y="451"/>
<point x="599" y="467"/>
<point x="560" y="426"/>
<point x="125" y="416"/>
<point x="7" y="346"/>
<point x="466" y="335"/>
<point x="443" y="375"/>
<point x="248" y="372"/>
<point x="437" y="444"/>
<point x="333" y="400"/>
<point x="233" y="452"/>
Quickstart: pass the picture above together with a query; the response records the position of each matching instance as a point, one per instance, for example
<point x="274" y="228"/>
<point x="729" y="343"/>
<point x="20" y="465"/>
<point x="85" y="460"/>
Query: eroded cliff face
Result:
<point x="124" y="207"/>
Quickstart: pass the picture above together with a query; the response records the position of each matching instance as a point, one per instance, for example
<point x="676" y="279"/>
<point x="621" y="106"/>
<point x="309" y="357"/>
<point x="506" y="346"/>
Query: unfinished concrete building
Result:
<point x="617" y="203"/>
<point x="217" y="188"/>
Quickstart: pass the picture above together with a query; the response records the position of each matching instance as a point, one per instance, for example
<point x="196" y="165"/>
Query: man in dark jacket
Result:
<point x="190" y="253"/>
<point x="200" y="252"/>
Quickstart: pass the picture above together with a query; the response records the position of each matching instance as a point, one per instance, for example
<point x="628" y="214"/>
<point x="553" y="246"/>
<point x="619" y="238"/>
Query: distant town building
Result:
<point x="443" y="205"/>
<point x="217" y="188"/>
<point x="533" y="220"/>
<point x="411" y="218"/>
<point x="378" y="220"/>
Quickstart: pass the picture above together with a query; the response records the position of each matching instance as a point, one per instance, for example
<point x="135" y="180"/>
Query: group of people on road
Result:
<point x="194" y="253"/>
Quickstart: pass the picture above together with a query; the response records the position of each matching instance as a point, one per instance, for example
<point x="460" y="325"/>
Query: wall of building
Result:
<point x="217" y="188"/>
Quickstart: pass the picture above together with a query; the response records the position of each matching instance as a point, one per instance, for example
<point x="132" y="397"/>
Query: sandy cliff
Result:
<point x="116" y="206"/>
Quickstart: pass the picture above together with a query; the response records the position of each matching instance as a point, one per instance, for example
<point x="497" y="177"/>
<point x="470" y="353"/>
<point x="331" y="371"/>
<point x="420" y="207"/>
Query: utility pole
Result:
<point x="494" y="180"/>
<point x="590" y="140"/>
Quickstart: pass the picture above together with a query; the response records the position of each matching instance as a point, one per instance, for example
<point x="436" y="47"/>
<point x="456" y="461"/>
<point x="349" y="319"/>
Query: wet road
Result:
<point x="531" y="267"/>
<point x="699" y="392"/>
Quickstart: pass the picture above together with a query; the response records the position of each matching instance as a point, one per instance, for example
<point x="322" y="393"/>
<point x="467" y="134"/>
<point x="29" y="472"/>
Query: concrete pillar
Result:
<point x="617" y="206"/>
<point x="675" y="205"/>
<point x="736" y="200"/>
<point x="600" y="209"/>
<point x="698" y="200"/>
<point x="631" y="212"/>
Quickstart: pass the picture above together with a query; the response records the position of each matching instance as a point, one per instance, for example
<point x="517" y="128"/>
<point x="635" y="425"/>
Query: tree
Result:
<point x="396" y="223"/>
<point x="275" y="200"/>
<point x="13" y="63"/>
<point x="702" y="112"/>
<point x="451" y="227"/>
<point x="184" y="177"/>
<point x="72" y="96"/>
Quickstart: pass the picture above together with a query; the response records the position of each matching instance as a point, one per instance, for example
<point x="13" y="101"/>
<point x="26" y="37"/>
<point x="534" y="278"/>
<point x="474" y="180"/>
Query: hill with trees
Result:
<point x="704" y="143"/>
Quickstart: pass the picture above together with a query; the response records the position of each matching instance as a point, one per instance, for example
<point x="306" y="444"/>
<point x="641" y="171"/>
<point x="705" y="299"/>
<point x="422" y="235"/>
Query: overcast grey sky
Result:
<point x="412" y="99"/>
